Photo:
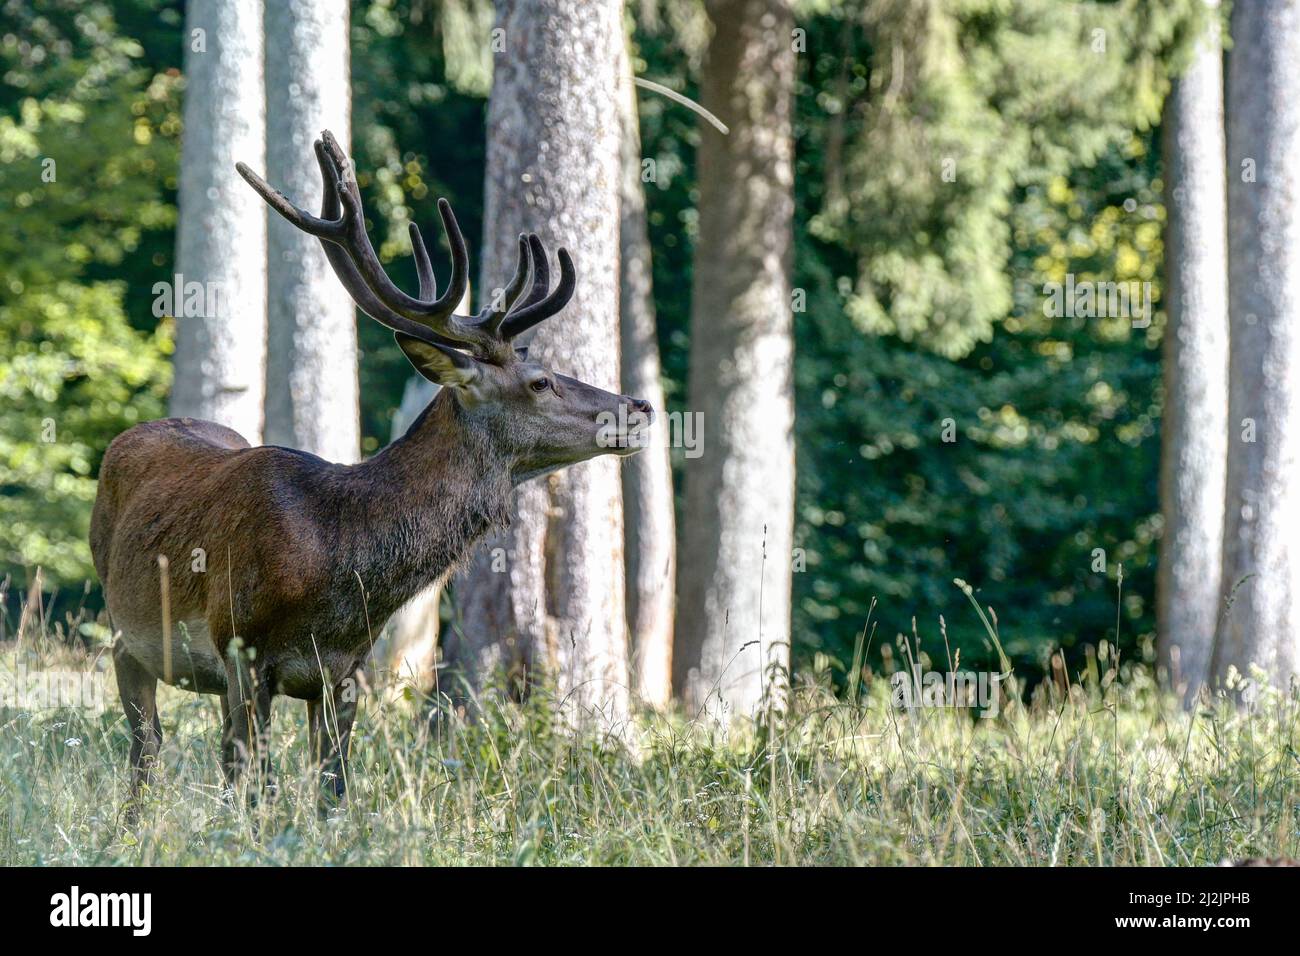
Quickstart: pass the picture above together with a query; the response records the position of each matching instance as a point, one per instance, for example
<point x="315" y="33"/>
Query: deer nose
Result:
<point x="644" y="407"/>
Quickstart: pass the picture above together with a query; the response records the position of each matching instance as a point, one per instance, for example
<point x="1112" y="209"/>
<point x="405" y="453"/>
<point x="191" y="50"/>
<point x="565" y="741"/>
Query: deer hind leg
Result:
<point x="226" y="733"/>
<point x="329" y="726"/>
<point x="246" y="720"/>
<point x="138" y="689"/>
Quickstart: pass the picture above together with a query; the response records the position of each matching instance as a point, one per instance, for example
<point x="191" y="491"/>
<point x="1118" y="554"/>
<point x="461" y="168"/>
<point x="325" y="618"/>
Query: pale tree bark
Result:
<point x="648" y="534"/>
<point x="311" y="378"/>
<point x="220" y="359"/>
<point x="1193" y="458"/>
<point x="1260" y="623"/>
<point x="548" y="594"/>
<point x="733" y="579"/>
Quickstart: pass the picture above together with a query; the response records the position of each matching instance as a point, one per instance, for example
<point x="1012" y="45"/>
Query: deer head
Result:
<point x="541" y="419"/>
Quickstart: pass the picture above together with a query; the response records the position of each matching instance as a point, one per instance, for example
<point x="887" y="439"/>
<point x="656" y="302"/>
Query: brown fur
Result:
<point x="306" y="560"/>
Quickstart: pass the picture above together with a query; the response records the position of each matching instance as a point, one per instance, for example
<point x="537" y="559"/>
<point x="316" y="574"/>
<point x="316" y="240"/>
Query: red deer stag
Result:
<point x="304" y="558"/>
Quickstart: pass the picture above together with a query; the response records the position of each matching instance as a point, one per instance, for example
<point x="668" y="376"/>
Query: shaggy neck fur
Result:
<point x="430" y="496"/>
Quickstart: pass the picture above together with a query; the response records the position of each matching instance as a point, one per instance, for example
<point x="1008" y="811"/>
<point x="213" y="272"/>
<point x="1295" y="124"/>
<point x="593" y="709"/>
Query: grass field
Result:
<point x="1109" y="772"/>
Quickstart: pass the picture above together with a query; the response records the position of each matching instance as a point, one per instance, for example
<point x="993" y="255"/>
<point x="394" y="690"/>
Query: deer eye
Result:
<point x="540" y="384"/>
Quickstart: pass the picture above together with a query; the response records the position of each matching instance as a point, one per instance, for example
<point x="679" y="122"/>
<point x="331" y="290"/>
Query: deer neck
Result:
<point x="431" y="494"/>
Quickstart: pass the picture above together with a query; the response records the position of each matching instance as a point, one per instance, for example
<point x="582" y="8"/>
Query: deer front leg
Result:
<point x="329" y="723"/>
<point x="247" y="721"/>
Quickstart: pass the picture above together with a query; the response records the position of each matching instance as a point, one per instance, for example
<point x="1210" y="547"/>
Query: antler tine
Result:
<point x="531" y="314"/>
<point x="541" y="271"/>
<point x="491" y="318"/>
<point x="423" y="267"/>
<point x="330" y="207"/>
<point x="330" y="229"/>
<point x="459" y="281"/>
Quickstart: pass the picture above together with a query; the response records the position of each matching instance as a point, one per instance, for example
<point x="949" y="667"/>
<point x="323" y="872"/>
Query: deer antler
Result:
<point x="539" y="305"/>
<point x="430" y="318"/>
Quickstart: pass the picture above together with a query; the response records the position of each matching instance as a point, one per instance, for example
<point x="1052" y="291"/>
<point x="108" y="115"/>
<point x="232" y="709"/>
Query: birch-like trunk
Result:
<point x="548" y="594"/>
<point x="1261" y="559"/>
<point x="1193" y="458"/>
<point x="311" y="376"/>
<point x="733" y="579"/>
<point x="648" y="534"/>
<point x="220" y="360"/>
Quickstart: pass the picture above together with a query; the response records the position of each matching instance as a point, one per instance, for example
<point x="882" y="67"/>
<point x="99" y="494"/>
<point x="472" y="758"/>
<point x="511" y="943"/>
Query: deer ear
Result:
<point x="442" y="366"/>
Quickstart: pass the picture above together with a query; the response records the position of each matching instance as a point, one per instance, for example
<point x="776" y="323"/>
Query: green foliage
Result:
<point x="938" y="112"/>
<point x="88" y="158"/>
<point x="1052" y="449"/>
<point x="466" y="27"/>
<point x="925" y="307"/>
<point x="74" y="375"/>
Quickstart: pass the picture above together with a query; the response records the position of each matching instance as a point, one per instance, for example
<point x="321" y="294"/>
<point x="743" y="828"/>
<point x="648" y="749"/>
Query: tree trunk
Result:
<point x="1195" y="427"/>
<point x="311" y="379"/>
<point x="647" y="477"/>
<point x="551" y="598"/>
<point x="220" y="357"/>
<point x="1261" y="562"/>
<point x="733" y="581"/>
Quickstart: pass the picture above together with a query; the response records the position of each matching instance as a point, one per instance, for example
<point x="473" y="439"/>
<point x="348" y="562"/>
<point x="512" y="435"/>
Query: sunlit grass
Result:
<point x="1110" y="772"/>
<point x="1093" y="777"/>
